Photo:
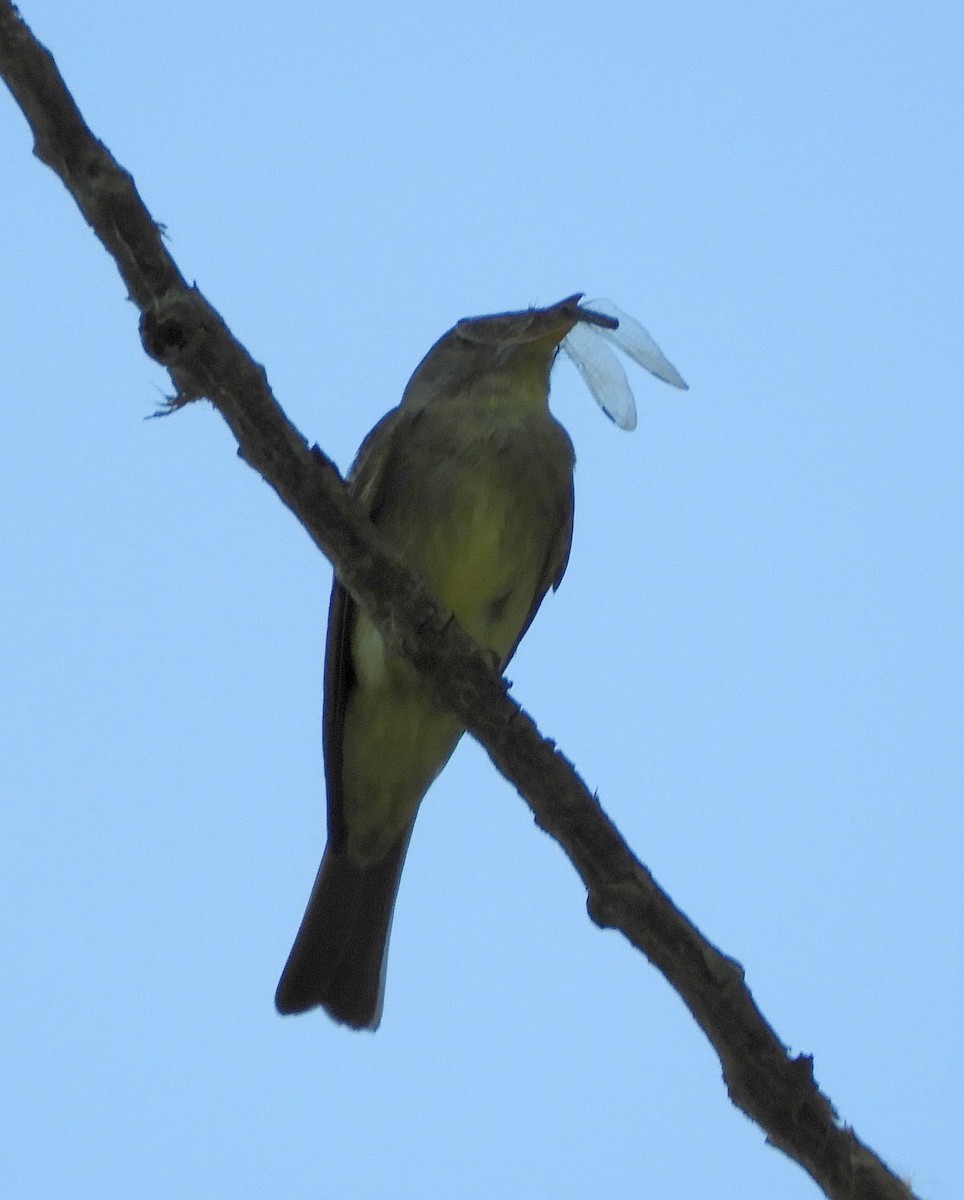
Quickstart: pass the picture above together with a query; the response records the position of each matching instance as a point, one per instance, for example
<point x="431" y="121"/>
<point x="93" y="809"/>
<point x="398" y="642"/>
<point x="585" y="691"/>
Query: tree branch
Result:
<point x="180" y="330"/>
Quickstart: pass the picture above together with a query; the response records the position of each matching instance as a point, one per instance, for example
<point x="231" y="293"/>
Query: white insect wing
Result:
<point x="602" y="372"/>
<point x="633" y="340"/>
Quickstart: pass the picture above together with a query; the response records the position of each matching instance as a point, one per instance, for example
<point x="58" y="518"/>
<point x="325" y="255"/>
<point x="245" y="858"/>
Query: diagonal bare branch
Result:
<point x="184" y="333"/>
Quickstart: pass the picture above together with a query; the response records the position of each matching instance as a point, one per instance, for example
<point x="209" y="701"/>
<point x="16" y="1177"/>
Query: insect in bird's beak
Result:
<point x="586" y="345"/>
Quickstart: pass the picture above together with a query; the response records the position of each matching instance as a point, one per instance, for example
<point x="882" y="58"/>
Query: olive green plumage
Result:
<point x="470" y="479"/>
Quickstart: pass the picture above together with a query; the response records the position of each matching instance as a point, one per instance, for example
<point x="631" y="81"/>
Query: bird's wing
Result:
<point x="554" y="567"/>
<point x="365" y="480"/>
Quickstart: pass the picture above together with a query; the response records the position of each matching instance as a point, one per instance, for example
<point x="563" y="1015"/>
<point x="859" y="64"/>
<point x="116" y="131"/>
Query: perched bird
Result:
<point x="471" y="481"/>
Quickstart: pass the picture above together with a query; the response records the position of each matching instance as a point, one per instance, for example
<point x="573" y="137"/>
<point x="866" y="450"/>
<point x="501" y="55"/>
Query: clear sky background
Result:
<point x="756" y="656"/>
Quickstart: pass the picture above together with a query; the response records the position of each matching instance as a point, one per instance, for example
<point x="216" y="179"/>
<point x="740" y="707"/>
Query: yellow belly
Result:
<point x="483" y="556"/>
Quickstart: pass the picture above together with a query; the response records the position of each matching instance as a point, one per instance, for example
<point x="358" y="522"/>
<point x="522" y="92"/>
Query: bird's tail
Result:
<point x="338" y="959"/>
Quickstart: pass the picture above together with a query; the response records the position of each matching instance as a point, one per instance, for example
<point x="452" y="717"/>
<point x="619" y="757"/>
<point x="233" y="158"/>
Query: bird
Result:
<point x="470" y="480"/>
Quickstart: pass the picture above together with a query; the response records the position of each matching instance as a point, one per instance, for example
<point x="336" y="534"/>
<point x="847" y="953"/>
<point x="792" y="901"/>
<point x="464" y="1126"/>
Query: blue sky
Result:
<point x="756" y="656"/>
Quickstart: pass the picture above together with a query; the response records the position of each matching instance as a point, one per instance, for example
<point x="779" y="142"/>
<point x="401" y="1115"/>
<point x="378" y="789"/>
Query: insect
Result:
<point x="587" y="345"/>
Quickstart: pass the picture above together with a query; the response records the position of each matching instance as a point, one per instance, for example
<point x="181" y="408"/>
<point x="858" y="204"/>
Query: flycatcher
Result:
<point x="471" y="480"/>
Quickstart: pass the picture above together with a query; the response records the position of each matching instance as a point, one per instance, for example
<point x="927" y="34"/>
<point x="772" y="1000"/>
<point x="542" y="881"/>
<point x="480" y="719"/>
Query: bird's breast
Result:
<point x="477" y="515"/>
